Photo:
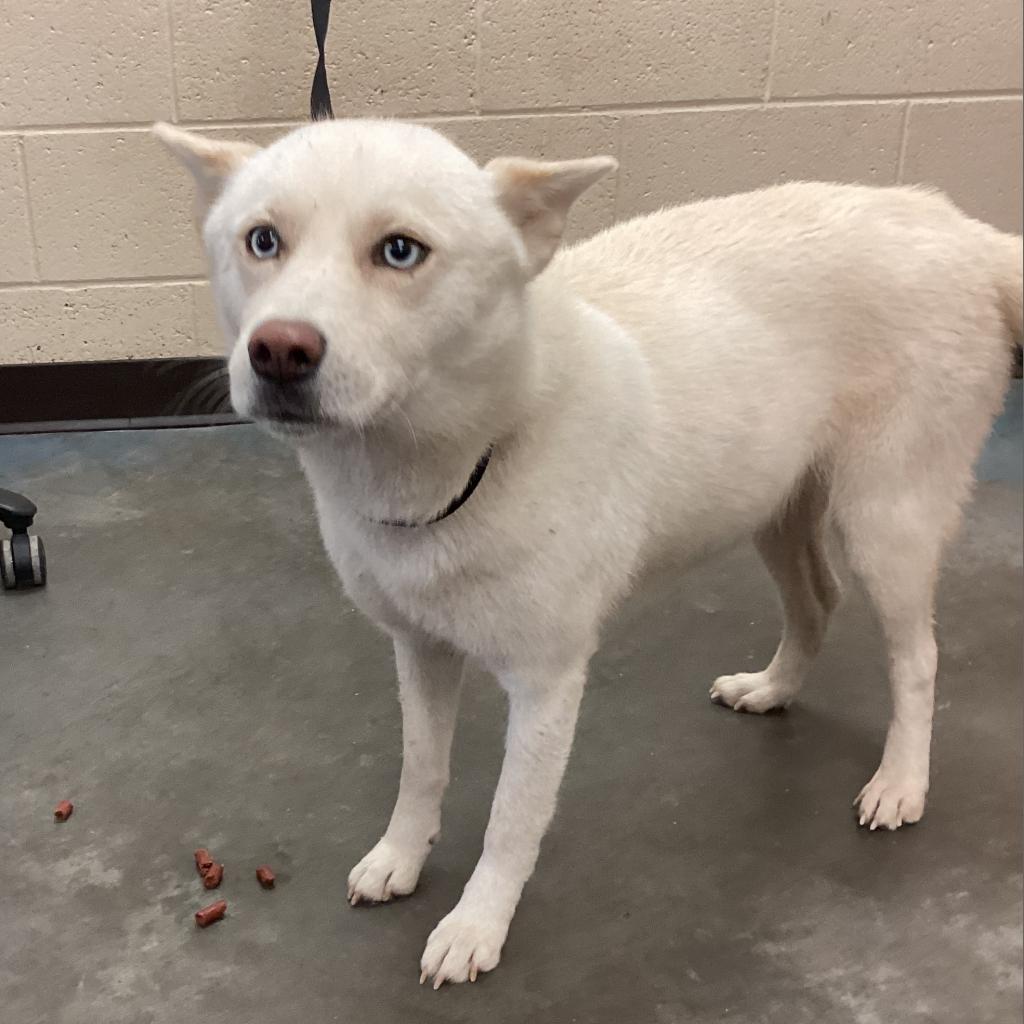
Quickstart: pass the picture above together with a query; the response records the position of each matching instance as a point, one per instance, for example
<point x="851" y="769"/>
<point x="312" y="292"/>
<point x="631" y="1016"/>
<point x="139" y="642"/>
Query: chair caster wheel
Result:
<point x="22" y="558"/>
<point x="22" y="562"/>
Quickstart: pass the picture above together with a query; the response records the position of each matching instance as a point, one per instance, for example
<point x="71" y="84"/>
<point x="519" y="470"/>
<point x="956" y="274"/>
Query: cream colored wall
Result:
<point x="695" y="97"/>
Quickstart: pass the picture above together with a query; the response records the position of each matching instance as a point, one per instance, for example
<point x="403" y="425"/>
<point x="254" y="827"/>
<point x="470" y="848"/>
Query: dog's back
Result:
<point x="826" y="315"/>
<point x="851" y="262"/>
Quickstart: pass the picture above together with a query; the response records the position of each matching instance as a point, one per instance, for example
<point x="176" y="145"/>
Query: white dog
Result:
<point x="498" y="436"/>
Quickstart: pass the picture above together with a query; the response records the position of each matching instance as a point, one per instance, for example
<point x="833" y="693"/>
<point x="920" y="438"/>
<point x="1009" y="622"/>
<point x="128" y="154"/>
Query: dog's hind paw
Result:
<point x="751" y="691"/>
<point x="889" y="801"/>
<point x="384" y="873"/>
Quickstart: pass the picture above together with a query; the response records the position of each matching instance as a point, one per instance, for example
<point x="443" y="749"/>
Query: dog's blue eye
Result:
<point x="401" y="252"/>
<point x="263" y="242"/>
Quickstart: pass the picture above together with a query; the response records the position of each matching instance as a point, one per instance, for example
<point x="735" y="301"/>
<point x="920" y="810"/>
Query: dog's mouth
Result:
<point x="290" y="407"/>
<point x="283" y="416"/>
<point x="289" y="422"/>
<point x="288" y="414"/>
<point x="295" y="409"/>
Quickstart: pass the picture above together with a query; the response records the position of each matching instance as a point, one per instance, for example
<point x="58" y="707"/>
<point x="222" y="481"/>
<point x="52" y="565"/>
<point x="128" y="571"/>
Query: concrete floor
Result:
<point x="192" y="676"/>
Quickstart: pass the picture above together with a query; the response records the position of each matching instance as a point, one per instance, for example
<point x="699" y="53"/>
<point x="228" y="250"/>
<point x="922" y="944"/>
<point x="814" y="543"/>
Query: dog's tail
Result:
<point x="1009" y="271"/>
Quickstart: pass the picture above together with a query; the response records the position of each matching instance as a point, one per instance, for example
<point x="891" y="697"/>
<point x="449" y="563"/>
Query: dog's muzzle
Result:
<point x="285" y="356"/>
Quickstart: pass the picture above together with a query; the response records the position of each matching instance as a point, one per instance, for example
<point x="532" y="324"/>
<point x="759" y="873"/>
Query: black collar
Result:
<point x="456" y="503"/>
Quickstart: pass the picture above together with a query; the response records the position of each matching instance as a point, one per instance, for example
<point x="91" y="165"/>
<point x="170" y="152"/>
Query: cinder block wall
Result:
<point x="695" y="98"/>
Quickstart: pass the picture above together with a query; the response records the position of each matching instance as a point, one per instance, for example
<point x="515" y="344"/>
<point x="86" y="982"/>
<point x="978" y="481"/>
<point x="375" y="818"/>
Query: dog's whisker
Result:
<point x="206" y="397"/>
<point x="167" y="366"/>
<point x="213" y="378"/>
<point x="412" y="429"/>
<point x="224" y="405"/>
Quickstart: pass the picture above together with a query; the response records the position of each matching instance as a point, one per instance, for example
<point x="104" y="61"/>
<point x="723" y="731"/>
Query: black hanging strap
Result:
<point x="320" y="95"/>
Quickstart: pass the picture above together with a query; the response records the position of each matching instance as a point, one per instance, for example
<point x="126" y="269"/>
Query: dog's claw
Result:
<point x="423" y="976"/>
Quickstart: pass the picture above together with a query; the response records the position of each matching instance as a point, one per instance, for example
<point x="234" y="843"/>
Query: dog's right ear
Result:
<point x="211" y="161"/>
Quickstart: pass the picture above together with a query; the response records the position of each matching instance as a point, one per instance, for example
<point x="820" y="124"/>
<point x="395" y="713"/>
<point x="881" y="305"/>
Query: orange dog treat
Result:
<point x="265" y="877"/>
<point x="63" y="810"/>
<point x="212" y="876"/>
<point x="214" y="912"/>
<point x="203" y="860"/>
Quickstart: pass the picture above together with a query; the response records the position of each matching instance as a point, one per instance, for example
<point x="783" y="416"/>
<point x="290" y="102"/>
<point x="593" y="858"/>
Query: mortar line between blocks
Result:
<point x="29" y="214"/>
<point x="772" y="45"/>
<point x="655" y="107"/>
<point x="618" y="170"/>
<point x="99" y="282"/>
<point x="904" y="134"/>
<point x="174" y="63"/>
<point x="193" y="295"/>
<point x="477" y="56"/>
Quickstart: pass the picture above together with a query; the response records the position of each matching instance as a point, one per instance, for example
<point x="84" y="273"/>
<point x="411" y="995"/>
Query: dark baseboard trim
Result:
<point x="140" y="423"/>
<point x="125" y="394"/>
<point x="114" y="395"/>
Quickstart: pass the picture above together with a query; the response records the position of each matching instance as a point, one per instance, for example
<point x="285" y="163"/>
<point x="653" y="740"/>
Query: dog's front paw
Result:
<point x="466" y="943"/>
<point x="891" y="799"/>
<point x="751" y="691"/>
<point x="385" y="872"/>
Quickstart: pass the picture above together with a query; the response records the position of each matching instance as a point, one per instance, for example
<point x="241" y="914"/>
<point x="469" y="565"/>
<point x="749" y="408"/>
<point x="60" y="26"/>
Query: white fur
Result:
<point x="808" y="364"/>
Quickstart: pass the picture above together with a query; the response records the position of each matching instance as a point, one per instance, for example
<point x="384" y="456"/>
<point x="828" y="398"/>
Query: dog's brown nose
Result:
<point x="285" y="350"/>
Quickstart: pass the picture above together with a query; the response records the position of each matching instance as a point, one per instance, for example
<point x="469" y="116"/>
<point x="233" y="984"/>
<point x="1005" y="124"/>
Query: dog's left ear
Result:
<point x="211" y="161"/>
<point x="536" y="197"/>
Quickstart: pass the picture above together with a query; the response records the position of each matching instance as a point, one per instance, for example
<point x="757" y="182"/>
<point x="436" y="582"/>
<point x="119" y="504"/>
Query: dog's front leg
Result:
<point x="541" y="722"/>
<point x="430" y="680"/>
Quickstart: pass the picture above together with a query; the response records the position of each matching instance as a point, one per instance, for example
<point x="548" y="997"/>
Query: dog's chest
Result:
<point x="493" y="601"/>
<point x="421" y="588"/>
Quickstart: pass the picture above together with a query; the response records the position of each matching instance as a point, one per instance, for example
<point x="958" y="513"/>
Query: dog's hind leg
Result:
<point x="894" y="542"/>
<point x="793" y="546"/>
<point x="430" y="682"/>
<point x="897" y="503"/>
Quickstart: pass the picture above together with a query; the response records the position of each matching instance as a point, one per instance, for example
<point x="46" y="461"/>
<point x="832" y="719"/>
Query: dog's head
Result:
<point x="363" y="269"/>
